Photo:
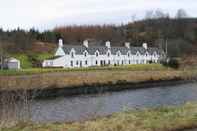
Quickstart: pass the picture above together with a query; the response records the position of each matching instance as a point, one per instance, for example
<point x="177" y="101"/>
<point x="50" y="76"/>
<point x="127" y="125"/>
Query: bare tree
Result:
<point x="3" y="55"/>
<point x="149" y="14"/>
<point x="133" y="17"/>
<point x="160" y="14"/>
<point x="181" y="13"/>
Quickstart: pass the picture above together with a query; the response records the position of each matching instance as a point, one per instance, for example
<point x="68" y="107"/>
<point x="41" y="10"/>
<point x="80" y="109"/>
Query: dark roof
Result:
<point x="92" y="49"/>
<point x="123" y="50"/>
<point x="80" y="49"/>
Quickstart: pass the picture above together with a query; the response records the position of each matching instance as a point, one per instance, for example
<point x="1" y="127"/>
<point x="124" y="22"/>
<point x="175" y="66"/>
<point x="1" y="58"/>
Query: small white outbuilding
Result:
<point x="13" y="63"/>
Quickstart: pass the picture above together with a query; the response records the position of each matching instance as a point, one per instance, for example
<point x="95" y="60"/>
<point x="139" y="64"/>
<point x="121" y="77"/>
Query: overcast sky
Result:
<point x="46" y="14"/>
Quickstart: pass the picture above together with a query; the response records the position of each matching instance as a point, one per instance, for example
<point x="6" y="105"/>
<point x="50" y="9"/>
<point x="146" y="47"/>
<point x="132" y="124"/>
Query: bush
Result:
<point x="172" y="63"/>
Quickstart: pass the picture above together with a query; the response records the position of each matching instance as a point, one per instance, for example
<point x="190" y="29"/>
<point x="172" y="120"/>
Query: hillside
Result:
<point x="181" y="36"/>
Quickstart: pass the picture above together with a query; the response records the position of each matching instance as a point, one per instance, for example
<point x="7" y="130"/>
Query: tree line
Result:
<point x="157" y="28"/>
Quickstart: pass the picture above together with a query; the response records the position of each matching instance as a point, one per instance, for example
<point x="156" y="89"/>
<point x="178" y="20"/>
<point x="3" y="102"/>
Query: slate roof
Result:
<point x="80" y="49"/>
<point x="92" y="49"/>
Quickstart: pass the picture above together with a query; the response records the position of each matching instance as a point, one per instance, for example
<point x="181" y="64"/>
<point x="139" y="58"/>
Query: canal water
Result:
<point x="66" y="109"/>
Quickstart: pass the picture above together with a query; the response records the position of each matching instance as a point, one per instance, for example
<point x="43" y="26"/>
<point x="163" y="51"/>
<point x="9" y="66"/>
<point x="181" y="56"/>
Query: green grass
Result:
<point x="28" y="60"/>
<point x="158" y="119"/>
<point x="148" y="67"/>
<point x="41" y="57"/>
<point x="25" y="61"/>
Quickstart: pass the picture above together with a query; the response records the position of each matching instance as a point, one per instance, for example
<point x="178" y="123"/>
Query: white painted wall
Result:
<point x="67" y="61"/>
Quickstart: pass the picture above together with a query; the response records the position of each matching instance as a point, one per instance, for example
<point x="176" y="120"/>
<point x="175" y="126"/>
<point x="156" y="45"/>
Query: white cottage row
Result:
<point x="87" y="55"/>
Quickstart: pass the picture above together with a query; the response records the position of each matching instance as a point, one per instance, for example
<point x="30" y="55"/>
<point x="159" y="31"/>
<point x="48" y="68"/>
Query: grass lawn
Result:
<point x="25" y="62"/>
<point x="143" y="67"/>
<point x="28" y="60"/>
<point x="158" y="119"/>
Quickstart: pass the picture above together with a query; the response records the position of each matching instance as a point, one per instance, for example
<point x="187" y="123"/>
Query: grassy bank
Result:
<point x="159" y="119"/>
<point x="30" y="71"/>
<point x="62" y="78"/>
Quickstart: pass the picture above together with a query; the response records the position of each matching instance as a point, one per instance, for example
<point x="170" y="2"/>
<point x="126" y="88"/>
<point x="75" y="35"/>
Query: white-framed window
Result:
<point x="108" y="54"/>
<point x="128" y="54"/>
<point x="85" y="54"/>
<point x="146" y="54"/>
<point x="118" y="53"/>
<point x="72" y="54"/>
<point x="97" y="54"/>
<point x="71" y="63"/>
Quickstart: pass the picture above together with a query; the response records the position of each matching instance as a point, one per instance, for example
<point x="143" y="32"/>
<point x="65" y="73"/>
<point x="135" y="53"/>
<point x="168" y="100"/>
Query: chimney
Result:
<point x="85" y="43"/>
<point x="61" y="43"/>
<point x="127" y="44"/>
<point x="108" y="44"/>
<point x="145" y="46"/>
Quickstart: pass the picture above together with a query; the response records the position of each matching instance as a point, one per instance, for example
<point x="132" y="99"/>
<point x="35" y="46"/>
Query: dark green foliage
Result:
<point x="181" y="35"/>
<point x="172" y="63"/>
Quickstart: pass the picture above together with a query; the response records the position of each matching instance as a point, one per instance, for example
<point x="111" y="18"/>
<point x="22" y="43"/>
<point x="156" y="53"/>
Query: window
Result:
<point x="129" y="61"/>
<point x="72" y="54"/>
<point x="86" y="62"/>
<point x="128" y="54"/>
<point x="77" y="62"/>
<point x="96" y="62"/>
<point x="109" y="62"/>
<point x="122" y="62"/>
<point x="85" y="54"/>
<point x="108" y="54"/>
<point x="97" y="54"/>
<point x="71" y="63"/>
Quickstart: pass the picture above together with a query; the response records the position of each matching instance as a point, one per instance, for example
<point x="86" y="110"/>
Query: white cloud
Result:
<point x="49" y="13"/>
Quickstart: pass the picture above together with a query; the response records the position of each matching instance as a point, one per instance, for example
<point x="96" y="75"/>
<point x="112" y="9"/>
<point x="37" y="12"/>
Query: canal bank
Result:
<point x="91" y="82"/>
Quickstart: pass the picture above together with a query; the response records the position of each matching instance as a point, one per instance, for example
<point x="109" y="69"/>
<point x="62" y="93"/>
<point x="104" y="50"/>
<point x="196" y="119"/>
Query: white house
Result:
<point x="13" y="63"/>
<point x="87" y="55"/>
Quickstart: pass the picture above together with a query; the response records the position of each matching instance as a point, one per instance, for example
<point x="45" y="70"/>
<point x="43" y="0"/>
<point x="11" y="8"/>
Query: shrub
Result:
<point x="172" y="63"/>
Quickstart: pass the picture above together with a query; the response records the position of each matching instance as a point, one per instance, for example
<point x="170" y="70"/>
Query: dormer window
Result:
<point x="146" y="54"/>
<point x="128" y="54"/>
<point x="97" y="54"/>
<point x="108" y="54"/>
<point x="72" y="54"/>
<point x="118" y="54"/>
<point x="85" y="54"/>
